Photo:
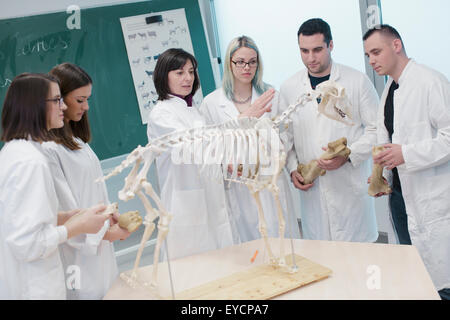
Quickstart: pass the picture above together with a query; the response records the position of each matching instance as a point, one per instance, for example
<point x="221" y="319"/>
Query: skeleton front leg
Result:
<point x="163" y="228"/>
<point x="262" y="226"/>
<point x="150" y="216"/>
<point x="273" y="188"/>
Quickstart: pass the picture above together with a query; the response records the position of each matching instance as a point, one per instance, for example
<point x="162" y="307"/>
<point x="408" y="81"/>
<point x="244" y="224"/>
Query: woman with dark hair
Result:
<point x="200" y="217"/>
<point x="244" y="93"/>
<point x="30" y="226"/>
<point x="75" y="167"/>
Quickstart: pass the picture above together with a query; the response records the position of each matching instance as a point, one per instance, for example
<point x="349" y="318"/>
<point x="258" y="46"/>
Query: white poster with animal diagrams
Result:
<point x="146" y="37"/>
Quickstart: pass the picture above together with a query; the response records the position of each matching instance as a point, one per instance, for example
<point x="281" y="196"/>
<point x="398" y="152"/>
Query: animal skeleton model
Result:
<point x="251" y="145"/>
<point x="312" y="170"/>
<point x="377" y="183"/>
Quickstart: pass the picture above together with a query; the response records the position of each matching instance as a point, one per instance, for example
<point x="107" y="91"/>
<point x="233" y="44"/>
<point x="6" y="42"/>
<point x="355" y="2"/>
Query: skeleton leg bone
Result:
<point x="151" y="215"/>
<point x="131" y="280"/>
<point x="163" y="227"/>
<point x="273" y="188"/>
<point x="263" y="227"/>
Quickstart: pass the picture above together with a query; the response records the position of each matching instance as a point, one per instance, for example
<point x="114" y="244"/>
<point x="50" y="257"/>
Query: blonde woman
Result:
<point x="244" y="93"/>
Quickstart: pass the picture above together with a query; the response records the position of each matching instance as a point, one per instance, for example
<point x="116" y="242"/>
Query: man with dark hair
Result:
<point x="414" y="124"/>
<point x="335" y="206"/>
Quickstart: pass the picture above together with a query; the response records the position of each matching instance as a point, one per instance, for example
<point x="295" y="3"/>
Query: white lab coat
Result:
<point x="74" y="173"/>
<point x="217" y="108"/>
<point x="30" y="265"/>
<point x="422" y="127"/>
<point x="200" y="217"/>
<point x="337" y="207"/>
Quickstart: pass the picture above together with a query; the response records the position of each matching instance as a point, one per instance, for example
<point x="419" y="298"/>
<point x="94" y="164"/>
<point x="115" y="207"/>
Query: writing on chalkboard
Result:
<point x="5" y="83"/>
<point x="47" y="43"/>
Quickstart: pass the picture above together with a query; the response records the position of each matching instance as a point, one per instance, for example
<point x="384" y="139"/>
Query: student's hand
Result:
<point x="298" y="181"/>
<point x="63" y="216"/>
<point x="114" y="219"/>
<point x="86" y="221"/>
<point x="332" y="164"/>
<point x="391" y="157"/>
<point x="261" y="105"/>
<point x="115" y="232"/>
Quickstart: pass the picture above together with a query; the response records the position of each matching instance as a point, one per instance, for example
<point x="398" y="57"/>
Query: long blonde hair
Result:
<point x="228" y="82"/>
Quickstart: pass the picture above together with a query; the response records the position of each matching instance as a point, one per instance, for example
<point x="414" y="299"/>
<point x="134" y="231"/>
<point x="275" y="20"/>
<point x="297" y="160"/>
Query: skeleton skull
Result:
<point x="334" y="102"/>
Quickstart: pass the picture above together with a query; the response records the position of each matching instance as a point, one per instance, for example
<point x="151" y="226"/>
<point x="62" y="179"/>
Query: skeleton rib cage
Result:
<point x="252" y="146"/>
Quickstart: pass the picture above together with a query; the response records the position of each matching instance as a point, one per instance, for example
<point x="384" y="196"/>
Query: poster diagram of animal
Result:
<point x="145" y="42"/>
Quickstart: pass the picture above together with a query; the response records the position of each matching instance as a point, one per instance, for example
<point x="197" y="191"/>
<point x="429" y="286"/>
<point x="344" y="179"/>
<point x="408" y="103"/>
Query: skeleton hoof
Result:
<point x="273" y="262"/>
<point x="130" y="280"/>
<point x="293" y="269"/>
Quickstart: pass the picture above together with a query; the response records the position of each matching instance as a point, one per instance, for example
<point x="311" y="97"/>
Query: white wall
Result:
<point x="274" y="25"/>
<point x="424" y="26"/>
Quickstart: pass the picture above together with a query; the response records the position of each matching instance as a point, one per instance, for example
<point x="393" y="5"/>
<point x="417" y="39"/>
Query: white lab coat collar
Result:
<point x="334" y="75"/>
<point x="405" y="71"/>
<point x="178" y="100"/>
<point x="228" y="107"/>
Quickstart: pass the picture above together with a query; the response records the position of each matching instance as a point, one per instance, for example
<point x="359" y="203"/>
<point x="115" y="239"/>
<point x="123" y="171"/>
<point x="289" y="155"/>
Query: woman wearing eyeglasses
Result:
<point x="75" y="167"/>
<point x="30" y="226"/>
<point x="200" y="218"/>
<point x="244" y="93"/>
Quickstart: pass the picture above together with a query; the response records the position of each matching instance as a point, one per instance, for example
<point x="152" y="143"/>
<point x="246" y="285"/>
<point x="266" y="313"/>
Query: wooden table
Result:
<point x="359" y="271"/>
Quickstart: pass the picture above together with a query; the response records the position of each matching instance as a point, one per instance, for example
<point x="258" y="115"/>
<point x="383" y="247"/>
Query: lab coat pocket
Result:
<point x="45" y="279"/>
<point x="189" y="208"/>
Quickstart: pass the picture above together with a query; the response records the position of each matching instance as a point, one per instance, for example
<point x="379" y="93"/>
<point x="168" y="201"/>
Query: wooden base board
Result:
<point x="260" y="282"/>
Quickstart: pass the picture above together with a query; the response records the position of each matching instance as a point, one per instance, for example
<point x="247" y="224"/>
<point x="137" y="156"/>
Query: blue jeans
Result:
<point x="399" y="216"/>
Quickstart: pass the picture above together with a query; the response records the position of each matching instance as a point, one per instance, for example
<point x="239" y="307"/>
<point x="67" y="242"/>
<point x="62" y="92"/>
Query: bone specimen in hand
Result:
<point x="377" y="183"/>
<point x="312" y="170"/>
<point x="130" y="220"/>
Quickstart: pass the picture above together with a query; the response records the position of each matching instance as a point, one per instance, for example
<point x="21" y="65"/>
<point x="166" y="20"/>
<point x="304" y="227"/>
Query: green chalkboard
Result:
<point x="38" y="43"/>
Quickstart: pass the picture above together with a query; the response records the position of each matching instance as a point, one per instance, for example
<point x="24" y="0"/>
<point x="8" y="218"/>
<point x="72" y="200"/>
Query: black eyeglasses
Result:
<point x="56" y="100"/>
<point x="242" y="63"/>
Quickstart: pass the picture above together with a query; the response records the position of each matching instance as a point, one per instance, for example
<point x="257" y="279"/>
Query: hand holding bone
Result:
<point x="378" y="185"/>
<point x="86" y="221"/>
<point x="299" y="182"/>
<point x="391" y="157"/>
<point x="333" y="163"/>
<point x="337" y="153"/>
<point x="115" y="232"/>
